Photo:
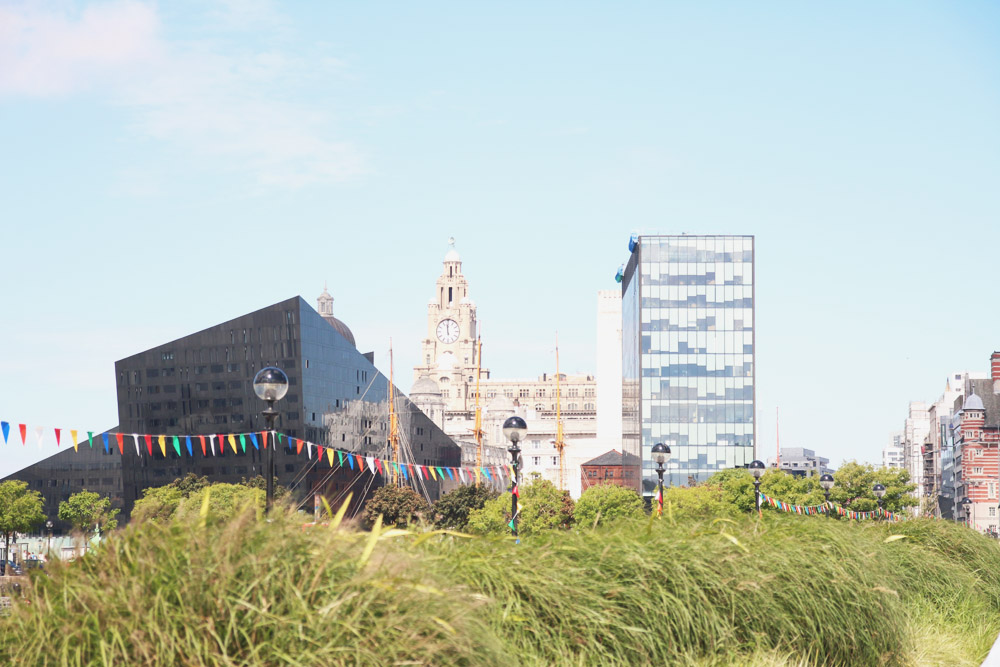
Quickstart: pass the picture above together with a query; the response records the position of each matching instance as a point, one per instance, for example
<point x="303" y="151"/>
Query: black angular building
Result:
<point x="202" y="384"/>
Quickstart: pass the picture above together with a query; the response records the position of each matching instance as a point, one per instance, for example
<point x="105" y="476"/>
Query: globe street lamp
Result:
<point x="661" y="454"/>
<point x="514" y="429"/>
<point x="879" y="490"/>
<point x="826" y="481"/>
<point x="966" y="504"/>
<point x="757" y="470"/>
<point x="270" y="384"/>
<point x="48" y="524"/>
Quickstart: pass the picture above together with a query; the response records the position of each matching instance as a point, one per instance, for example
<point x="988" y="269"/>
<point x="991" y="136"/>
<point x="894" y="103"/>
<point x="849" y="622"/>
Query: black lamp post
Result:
<point x="757" y="470"/>
<point x="826" y="481"/>
<point x="514" y="429"/>
<point x="270" y="384"/>
<point x="48" y="524"/>
<point x="966" y="505"/>
<point x="661" y="454"/>
<point x="879" y="490"/>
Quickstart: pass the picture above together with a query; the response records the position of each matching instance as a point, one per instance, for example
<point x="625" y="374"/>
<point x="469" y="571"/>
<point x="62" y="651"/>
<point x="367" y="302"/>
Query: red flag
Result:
<point x="57" y="436"/>
<point x="24" y="433"/>
<point x="378" y="464"/>
<point x="319" y="452"/>
<point x="149" y="443"/>
<point x="263" y="434"/>
<point x="121" y="447"/>
<point x="298" y="446"/>
<point x="222" y="445"/>
<point x="202" y="439"/>
<point x="361" y="462"/>
<point x="423" y="469"/>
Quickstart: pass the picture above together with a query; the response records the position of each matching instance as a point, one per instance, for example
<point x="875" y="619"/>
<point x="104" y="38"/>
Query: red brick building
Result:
<point x="977" y="442"/>
<point x="607" y="469"/>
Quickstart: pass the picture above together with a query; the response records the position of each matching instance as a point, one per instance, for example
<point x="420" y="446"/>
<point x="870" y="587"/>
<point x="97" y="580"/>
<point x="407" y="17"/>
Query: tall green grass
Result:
<point x="784" y="590"/>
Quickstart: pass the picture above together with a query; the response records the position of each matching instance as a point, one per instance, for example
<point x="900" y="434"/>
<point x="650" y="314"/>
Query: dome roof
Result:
<point x="341" y="328"/>
<point x="973" y="402"/>
<point x="425" y="385"/>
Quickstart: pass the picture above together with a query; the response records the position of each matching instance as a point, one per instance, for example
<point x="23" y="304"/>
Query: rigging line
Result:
<point x="328" y="475"/>
<point x="363" y="494"/>
<point x="344" y="491"/>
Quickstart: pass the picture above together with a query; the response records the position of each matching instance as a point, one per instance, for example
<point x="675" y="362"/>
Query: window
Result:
<point x="572" y="392"/>
<point x="977" y="470"/>
<point x="993" y="511"/>
<point x="555" y="460"/>
<point x="524" y="393"/>
<point x="534" y="460"/>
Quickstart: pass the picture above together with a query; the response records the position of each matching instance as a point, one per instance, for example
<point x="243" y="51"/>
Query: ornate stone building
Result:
<point x="445" y="389"/>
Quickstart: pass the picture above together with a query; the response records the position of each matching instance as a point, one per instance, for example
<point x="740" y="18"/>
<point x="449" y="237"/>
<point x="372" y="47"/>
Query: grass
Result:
<point x="783" y="591"/>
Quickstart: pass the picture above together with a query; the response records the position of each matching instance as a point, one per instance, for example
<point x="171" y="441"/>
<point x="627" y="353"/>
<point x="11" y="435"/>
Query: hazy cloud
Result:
<point x="234" y="108"/>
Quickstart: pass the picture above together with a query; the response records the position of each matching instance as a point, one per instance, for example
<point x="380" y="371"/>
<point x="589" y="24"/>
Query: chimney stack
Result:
<point x="995" y="371"/>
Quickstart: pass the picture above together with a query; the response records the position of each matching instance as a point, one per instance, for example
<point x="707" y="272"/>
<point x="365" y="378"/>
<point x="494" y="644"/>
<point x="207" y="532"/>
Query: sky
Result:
<point x="168" y="166"/>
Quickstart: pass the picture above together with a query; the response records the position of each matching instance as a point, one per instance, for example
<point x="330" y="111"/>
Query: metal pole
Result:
<point x="269" y="416"/>
<point x="756" y="494"/>
<point x="826" y="492"/>
<point x="659" y="502"/>
<point x="514" y="492"/>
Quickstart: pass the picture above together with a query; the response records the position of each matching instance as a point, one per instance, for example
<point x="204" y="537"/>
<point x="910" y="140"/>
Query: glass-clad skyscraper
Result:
<point x="688" y="354"/>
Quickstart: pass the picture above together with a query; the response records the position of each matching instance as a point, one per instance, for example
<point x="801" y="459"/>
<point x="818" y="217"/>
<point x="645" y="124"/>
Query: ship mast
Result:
<point x="393" y="421"/>
<point x="478" y="431"/>
<point x="559" y="443"/>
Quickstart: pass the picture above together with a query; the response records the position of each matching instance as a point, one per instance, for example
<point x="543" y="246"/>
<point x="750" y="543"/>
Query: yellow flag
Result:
<point x="232" y="443"/>
<point x="433" y="476"/>
<point x="75" y="448"/>
<point x="163" y="445"/>
<point x="329" y="455"/>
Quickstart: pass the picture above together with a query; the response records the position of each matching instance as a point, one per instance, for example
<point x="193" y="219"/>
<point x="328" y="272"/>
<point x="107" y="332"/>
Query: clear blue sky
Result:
<point x="164" y="167"/>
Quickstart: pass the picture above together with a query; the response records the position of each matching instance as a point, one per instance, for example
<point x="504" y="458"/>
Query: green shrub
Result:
<point x="452" y="509"/>
<point x="607" y="501"/>
<point x="543" y="507"/>
<point x="397" y="505"/>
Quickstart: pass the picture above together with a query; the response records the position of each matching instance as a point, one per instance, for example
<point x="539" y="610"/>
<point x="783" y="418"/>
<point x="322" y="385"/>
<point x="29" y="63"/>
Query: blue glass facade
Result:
<point x="688" y="354"/>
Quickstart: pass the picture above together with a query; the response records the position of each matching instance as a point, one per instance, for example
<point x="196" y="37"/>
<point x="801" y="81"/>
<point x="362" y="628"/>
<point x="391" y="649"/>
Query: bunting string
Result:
<point x="829" y="508"/>
<point x="216" y="445"/>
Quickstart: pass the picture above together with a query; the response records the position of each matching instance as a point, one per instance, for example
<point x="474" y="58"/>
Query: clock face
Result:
<point x="447" y="331"/>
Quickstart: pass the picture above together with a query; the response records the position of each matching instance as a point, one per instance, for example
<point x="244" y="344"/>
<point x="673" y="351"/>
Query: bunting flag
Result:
<point x="361" y="462"/>
<point x="57" y="436"/>
<point x="309" y="450"/>
<point x="149" y="444"/>
<point x="211" y="443"/>
<point x="121" y="446"/>
<point x="187" y="443"/>
<point x="486" y="472"/>
<point x="659" y="501"/>
<point x="5" y="427"/>
<point x="39" y="434"/>
<point x="378" y="464"/>
<point x="243" y="443"/>
<point x="350" y="461"/>
<point x="298" y="445"/>
<point x="104" y="437"/>
<point x="232" y="443"/>
<point x="433" y="476"/>
<point x="76" y="447"/>
<point x="177" y="445"/>
<point x="135" y="439"/>
<point x="827" y="508"/>
<point x="90" y="438"/>
<point x="371" y="463"/>
<point x="24" y="433"/>
<point x="253" y="440"/>
<point x="340" y="458"/>
<point x="329" y="457"/>
<point x="162" y="442"/>
<point x="263" y="437"/>
<point x="201" y="439"/>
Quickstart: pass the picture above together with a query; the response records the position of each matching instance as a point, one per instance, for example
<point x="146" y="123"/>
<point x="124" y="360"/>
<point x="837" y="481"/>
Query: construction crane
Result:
<point x="559" y="443"/>
<point x="478" y="429"/>
<point x="393" y="422"/>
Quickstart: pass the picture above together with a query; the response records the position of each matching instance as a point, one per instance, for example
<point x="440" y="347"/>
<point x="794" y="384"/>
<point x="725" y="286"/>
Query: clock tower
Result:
<point x="448" y="354"/>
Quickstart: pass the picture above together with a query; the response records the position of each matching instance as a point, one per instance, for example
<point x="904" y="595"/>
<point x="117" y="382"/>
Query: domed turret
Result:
<point x="324" y="305"/>
<point x="424" y="385"/>
<point x="973" y="402"/>
<point x="452" y="255"/>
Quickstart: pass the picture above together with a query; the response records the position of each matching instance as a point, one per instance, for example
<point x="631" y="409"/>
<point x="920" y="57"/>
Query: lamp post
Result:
<point x="757" y="470"/>
<point x="661" y="454"/>
<point x="270" y="384"/>
<point x="879" y="490"/>
<point x="826" y="481"/>
<point x="514" y="429"/>
<point x="48" y="524"/>
<point x="966" y="504"/>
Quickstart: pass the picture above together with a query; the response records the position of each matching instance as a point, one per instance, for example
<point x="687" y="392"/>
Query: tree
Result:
<point x="607" y="502"/>
<point x="20" y="510"/>
<point x="398" y="505"/>
<point x="259" y="482"/>
<point x="225" y="501"/>
<point x="794" y="489"/>
<point x="87" y="509"/>
<point x="854" y="483"/>
<point x="737" y="487"/>
<point x="452" y="509"/>
<point x="702" y="501"/>
<point x="161" y="502"/>
<point x="543" y="507"/>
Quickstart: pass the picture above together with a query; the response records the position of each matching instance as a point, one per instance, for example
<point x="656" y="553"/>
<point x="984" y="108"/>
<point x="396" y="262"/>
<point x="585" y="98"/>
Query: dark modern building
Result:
<point x="202" y="385"/>
<point x="688" y="354"/>
<point x="69" y="471"/>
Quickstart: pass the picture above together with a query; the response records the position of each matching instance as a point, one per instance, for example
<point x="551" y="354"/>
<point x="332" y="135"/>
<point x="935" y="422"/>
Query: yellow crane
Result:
<point x="560" y="442"/>
<point x="478" y="429"/>
<point x="393" y="421"/>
